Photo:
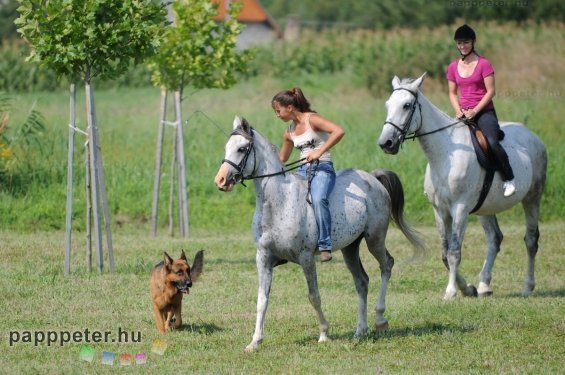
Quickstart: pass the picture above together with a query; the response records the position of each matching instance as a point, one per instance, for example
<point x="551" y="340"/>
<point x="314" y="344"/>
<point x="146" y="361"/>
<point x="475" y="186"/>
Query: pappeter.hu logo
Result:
<point x="62" y="338"/>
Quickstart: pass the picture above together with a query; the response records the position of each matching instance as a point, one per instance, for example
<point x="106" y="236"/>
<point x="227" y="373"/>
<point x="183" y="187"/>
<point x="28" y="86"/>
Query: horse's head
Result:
<point x="400" y="119"/>
<point x="236" y="165"/>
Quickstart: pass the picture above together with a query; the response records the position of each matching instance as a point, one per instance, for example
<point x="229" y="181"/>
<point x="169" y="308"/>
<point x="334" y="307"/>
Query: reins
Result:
<point x="282" y="171"/>
<point x="418" y="135"/>
<point x="404" y="129"/>
<point x="251" y="147"/>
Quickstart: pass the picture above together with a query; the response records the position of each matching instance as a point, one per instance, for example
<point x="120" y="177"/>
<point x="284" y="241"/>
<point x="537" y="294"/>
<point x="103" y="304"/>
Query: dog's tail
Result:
<point x="197" y="265"/>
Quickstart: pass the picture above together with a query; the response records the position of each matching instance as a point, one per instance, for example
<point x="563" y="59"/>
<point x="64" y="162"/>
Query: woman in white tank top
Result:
<point x="314" y="136"/>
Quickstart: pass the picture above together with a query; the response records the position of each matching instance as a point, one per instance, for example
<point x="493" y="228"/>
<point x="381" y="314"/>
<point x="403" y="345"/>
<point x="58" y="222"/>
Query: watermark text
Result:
<point x="62" y="337"/>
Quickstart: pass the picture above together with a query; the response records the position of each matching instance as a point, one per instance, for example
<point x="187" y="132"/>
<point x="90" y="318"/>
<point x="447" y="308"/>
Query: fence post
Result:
<point x="183" y="202"/>
<point x="158" y="163"/>
<point x="70" y="157"/>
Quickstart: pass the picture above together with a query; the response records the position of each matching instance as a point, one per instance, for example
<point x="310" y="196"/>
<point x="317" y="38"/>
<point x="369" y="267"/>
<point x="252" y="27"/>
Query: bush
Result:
<point x="17" y="75"/>
<point x="372" y="57"/>
<point x="21" y="152"/>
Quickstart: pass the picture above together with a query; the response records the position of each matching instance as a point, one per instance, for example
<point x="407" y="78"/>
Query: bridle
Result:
<point x="238" y="177"/>
<point x="403" y="129"/>
<point x="406" y="126"/>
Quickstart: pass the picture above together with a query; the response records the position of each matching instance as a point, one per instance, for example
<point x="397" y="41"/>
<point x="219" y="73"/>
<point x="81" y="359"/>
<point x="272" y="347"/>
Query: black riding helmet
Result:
<point x="465" y="33"/>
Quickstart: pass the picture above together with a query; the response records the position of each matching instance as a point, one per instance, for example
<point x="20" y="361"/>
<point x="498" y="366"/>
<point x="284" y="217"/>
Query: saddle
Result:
<point x="485" y="159"/>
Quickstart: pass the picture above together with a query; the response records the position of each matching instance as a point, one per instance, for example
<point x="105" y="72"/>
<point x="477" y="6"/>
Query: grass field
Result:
<point x="499" y="335"/>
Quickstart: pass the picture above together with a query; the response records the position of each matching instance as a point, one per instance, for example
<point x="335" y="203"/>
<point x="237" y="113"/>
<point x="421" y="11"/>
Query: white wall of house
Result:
<point x="255" y="34"/>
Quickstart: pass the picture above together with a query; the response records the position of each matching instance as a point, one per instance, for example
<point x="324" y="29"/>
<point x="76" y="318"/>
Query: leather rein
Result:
<point x="403" y="129"/>
<point x="239" y="177"/>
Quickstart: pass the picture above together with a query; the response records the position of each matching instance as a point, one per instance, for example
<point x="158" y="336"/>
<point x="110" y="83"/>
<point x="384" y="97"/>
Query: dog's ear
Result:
<point x="183" y="256"/>
<point x="197" y="265"/>
<point x="168" y="261"/>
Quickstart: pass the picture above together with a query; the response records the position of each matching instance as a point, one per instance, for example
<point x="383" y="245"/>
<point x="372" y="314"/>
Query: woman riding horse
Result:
<point x="473" y="76"/>
<point x="313" y="135"/>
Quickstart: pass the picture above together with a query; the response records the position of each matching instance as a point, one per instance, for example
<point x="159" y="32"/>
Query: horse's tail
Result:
<point x="393" y="186"/>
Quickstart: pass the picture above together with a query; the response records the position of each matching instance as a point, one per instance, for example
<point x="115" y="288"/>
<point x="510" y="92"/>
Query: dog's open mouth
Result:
<point x="182" y="287"/>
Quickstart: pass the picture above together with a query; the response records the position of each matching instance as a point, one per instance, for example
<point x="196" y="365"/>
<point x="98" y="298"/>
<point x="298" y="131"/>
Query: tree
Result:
<point x="198" y="52"/>
<point x="83" y="39"/>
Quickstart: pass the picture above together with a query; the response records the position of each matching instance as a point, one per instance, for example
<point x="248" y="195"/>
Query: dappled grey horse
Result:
<point x="454" y="179"/>
<point x="284" y="227"/>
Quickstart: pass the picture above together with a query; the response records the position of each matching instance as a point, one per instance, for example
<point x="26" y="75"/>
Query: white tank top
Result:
<point x="309" y="140"/>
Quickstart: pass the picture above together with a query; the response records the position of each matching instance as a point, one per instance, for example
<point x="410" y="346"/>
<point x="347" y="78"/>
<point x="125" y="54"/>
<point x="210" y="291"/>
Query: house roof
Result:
<point x="251" y="12"/>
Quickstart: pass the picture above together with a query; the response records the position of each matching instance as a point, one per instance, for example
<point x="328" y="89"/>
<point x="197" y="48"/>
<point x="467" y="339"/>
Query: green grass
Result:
<point x="502" y="334"/>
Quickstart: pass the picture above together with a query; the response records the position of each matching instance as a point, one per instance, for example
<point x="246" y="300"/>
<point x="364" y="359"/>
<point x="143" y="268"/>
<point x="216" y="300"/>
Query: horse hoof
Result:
<point x="381" y="327"/>
<point x="484" y="290"/>
<point x="253" y="345"/>
<point x="360" y="333"/>
<point x="527" y="292"/>
<point x="471" y="291"/>
<point x="449" y="296"/>
<point x="528" y="289"/>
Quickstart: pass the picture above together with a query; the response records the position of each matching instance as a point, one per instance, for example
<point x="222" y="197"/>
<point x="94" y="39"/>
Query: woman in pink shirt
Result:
<point x="471" y="89"/>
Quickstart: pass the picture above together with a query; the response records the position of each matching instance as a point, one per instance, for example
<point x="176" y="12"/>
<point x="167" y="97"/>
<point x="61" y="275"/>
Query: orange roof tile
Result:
<point x="252" y="11"/>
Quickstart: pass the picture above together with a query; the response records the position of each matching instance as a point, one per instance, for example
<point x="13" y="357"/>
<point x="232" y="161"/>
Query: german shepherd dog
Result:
<point x="169" y="281"/>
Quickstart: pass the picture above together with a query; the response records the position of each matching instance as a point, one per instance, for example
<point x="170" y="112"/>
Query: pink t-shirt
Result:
<point x="471" y="89"/>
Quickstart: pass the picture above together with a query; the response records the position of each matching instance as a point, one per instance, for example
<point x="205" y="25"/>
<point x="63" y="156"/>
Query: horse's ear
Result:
<point x="419" y="81"/>
<point x="245" y="125"/>
<point x="395" y="82"/>
<point x="236" y="122"/>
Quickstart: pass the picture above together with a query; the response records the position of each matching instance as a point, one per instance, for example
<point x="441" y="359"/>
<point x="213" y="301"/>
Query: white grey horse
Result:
<point x="454" y="179"/>
<point x="284" y="227"/>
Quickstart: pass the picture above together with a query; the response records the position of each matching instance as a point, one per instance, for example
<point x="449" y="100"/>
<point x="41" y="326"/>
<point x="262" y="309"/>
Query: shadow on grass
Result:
<point x="425" y="330"/>
<point x="202" y="329"/>
<point x="540" y="294"/>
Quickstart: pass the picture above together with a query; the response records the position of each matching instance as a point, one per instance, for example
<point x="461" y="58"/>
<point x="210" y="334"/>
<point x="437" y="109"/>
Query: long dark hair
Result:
<point x="294" y="97"/>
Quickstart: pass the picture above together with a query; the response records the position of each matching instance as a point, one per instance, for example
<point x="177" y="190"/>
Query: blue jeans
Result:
<point x="321" y="185"/>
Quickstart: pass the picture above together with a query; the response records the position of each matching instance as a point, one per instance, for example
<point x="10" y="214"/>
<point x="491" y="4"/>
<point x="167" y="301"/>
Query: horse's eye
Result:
<point x="242" y="149"/>
<point x="407" y="105"/>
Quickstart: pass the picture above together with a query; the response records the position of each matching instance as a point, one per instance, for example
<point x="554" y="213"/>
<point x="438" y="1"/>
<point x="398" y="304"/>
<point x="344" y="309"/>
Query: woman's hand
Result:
<point x="313" y="156"/>
<point x="469" y="113"/>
